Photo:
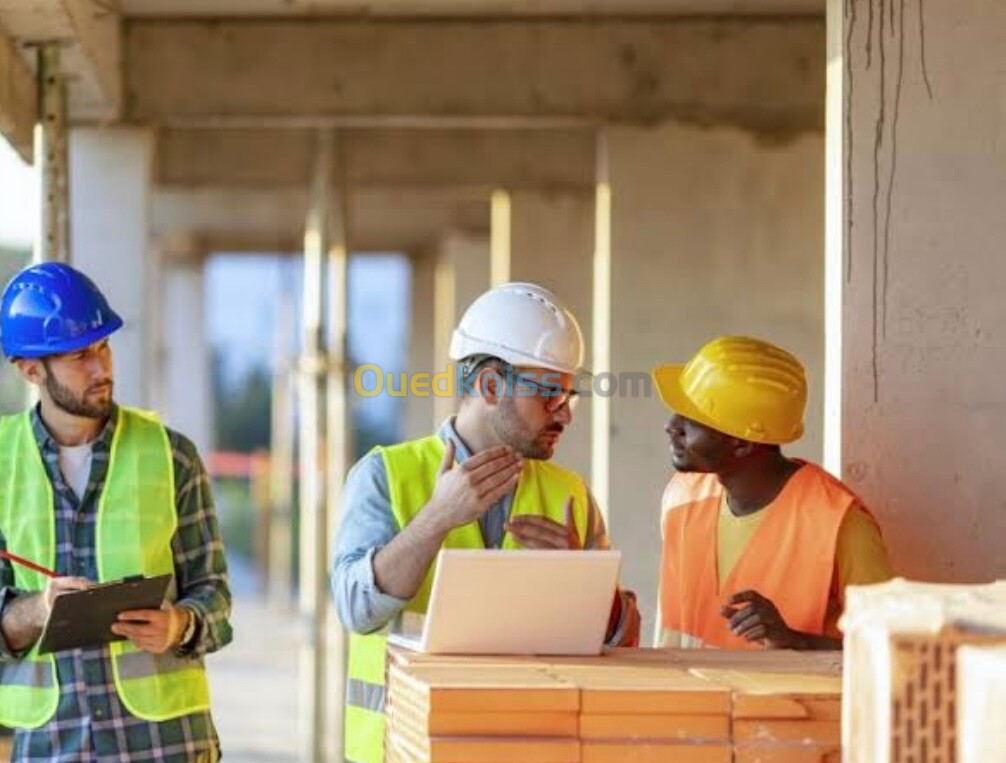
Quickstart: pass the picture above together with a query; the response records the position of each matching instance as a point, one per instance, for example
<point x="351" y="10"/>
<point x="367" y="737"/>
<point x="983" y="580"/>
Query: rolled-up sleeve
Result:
<point x="7" y="594"/>
<point x="200" y="564"/>
<point x="367" y="526"/>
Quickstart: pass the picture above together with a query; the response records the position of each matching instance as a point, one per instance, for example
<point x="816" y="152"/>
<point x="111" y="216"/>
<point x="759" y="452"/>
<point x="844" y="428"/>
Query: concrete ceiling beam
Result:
<point x="765" y="75"/>
<point x="273" y="158"/>
<point x="248" y="220"/>
<point x="97" y="31"/>
<point x="90" y="35"/>
<point x="18" y="99"/>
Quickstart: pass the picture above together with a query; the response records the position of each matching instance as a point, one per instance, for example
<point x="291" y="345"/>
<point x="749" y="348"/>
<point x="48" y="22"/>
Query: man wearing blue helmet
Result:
<point x="97" y="492"/>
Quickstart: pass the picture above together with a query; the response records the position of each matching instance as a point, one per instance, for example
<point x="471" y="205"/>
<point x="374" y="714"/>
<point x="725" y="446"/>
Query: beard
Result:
<point x="513" y="431"/>
<point x="65" y="400"/>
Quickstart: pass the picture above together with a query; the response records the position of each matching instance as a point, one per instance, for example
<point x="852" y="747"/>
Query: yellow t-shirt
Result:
<point x="860" y="559"/>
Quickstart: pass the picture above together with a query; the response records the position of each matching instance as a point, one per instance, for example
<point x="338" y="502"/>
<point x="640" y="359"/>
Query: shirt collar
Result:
<point x="448" y="432"/>
<point x="46" y="442"/>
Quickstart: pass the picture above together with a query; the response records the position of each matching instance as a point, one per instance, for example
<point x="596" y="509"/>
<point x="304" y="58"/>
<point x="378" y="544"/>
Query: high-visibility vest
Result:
<point x="790" y="558"/>
<point x="412" y="468"/>
<point x="135" y="524"/>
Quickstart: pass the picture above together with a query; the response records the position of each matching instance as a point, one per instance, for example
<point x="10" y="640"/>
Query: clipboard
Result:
<point x="85" y="618"/>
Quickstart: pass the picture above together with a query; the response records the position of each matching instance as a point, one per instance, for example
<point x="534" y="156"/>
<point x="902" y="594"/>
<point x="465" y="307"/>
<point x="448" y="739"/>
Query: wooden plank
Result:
<point x="626" y="690"/>
<point x="613" y="752"/>
<point x="677" y="728"/>
<point x="785" y="731"/>
<point x="475" y="688"/>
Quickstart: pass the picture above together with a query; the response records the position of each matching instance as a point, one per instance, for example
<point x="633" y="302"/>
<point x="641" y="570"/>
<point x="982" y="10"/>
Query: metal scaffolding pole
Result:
<point x="51" y="156"/>
<point x="338" y="437"/>
<point x="313" y="485"/>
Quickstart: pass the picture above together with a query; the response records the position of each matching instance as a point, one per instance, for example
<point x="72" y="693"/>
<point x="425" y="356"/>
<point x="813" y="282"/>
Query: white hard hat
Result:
<point x="523" y="324"/>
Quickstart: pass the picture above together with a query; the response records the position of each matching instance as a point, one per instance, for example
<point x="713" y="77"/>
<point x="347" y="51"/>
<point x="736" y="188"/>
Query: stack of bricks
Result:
<point x="981" y="709"/>
<point x="637" y="706"/>
<point x="901" y="646"/>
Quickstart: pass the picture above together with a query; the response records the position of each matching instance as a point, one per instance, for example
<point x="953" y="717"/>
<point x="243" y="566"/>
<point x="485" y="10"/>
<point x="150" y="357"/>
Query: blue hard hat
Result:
<point x="52" y="308"/>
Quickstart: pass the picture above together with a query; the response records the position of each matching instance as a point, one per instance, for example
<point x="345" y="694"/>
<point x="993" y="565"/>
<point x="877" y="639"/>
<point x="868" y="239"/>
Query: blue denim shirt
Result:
<point x="368" y="525"/>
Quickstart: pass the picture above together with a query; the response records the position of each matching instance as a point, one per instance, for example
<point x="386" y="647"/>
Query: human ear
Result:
<point x="31" y="370"/>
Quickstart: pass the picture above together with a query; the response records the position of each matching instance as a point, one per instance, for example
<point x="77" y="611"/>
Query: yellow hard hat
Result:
<point x="740" y="386"/>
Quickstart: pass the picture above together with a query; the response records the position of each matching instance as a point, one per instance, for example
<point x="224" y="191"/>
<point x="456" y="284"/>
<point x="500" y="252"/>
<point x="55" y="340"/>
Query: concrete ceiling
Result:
<point x="465" y="8"/>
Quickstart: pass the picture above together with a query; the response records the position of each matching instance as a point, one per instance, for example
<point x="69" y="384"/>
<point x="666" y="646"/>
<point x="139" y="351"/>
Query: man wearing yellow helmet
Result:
<point x="758" y="547"/>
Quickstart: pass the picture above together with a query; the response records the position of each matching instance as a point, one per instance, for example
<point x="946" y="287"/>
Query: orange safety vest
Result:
<point x="790" y="559"/>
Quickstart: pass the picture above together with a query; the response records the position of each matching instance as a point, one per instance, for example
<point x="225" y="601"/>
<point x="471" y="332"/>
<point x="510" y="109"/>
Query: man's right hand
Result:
<point x="465" y="492"/>
<point x="56" y="587"/>
<point x="25" y="616"/>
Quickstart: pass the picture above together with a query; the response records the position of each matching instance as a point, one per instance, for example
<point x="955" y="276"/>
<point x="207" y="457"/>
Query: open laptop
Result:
<point x="517" y="602"/>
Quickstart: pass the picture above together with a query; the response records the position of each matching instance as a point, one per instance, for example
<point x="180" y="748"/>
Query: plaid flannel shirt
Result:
<point x="91" y="724"/>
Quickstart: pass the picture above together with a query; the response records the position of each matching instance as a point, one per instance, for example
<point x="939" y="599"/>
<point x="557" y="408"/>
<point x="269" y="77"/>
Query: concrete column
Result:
<point x="713" y="232"/>
<point x="461" y="275"/>
<point x="552" y="241"/>
<point x="110" y="180"/>
<point x="418" y="414"/>
<point x="187" y="402"/>
<point x="924" y="177"/>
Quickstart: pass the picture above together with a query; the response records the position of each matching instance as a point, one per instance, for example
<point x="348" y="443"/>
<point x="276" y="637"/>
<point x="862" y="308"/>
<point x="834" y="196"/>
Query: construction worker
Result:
<point x="94" y="492"/>
<point x="758" y="547"/>
<point x="484" y="480"/>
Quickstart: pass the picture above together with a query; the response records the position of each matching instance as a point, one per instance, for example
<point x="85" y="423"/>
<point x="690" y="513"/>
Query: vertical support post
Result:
<point x="834" y="237"/>
<point x="600" y="435"/>
<point x="313" y="490"/>
<point x="281" y="453"/>
<point x="499" y="238"/>
<point x="337" y="432"/>
<point x="53" y="240"/>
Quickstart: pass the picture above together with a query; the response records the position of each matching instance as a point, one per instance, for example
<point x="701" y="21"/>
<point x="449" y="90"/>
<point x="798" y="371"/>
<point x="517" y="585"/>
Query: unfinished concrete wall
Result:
<point x="924" y="116"/>
<point x="552" y="244"/>
<point x="713" y="232"/>
<point x="110" y="172"/>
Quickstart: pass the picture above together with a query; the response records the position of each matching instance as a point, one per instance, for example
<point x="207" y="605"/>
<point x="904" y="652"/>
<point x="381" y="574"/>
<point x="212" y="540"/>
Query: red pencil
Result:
<point x="25" y="563"/>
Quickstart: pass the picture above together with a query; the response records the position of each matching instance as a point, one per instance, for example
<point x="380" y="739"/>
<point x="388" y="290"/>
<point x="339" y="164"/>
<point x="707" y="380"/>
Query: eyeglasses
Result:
<point x="556" y="400"/>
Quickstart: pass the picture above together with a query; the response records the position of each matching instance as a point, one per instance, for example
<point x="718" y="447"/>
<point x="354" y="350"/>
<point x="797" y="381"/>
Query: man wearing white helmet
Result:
<point x="482" y="481"/>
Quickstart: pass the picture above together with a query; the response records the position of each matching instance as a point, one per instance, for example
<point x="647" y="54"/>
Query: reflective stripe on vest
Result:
<point x="412" y="469"/>
<point x="790" y="559"/>
<point x="366" y="695"/>
<point x="135" y="525"/>
<point x="27" y="673"/>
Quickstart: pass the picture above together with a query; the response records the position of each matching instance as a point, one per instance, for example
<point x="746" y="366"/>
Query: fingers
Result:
<point x="507" y="463"/>
<point x="744" y="597"/>
<point x="447" y="462"/>
<point x="487" y="456"/>
<point x="496" y="486"/>
<point x="148" y="629"/>
<point x="538" y="532"/>
<point x="745" y="620"/>
<point x="64" y="584"/>
<point x="144" y="615"/>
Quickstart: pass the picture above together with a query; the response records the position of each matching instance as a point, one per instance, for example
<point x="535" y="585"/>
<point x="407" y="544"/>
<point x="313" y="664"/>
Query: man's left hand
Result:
<point x="153" y="630"/>
<point x="538" y="532"/>
<point x="753" y="617"/>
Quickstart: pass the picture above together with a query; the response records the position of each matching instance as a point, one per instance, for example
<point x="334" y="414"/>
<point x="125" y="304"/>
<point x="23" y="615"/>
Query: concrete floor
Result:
<point x="254" y="680"/>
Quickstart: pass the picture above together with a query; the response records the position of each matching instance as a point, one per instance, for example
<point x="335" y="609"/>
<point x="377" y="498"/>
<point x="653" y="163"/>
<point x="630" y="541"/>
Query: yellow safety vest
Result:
<point x="412" y="469"/>
<point x="136" y="522"/>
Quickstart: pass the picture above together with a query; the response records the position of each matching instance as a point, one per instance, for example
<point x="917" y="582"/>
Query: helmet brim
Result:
<point x="667" y="380"/>
<point x="113" y="324"/>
